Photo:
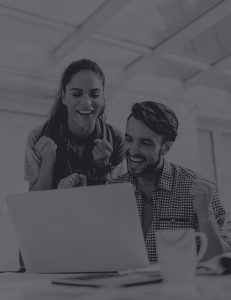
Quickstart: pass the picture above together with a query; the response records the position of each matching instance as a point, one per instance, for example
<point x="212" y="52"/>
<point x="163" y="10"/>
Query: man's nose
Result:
<point x="133" y="148"/>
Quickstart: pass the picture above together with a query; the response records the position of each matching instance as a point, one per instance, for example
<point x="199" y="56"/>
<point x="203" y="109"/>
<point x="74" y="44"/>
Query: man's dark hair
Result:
<point x="158" y="117"/>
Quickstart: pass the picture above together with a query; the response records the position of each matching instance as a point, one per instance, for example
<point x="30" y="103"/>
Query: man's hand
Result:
<point x="202" y="191"/>
<point x="73" y="180"/>
<point x="46" y="147"/>
<point x="102" y="152"/>
<point x="203" y="194"/>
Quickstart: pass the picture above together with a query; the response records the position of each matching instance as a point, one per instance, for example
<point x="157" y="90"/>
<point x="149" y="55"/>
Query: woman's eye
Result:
<point x="76" y="95"/>
<point x="94" y="96"/>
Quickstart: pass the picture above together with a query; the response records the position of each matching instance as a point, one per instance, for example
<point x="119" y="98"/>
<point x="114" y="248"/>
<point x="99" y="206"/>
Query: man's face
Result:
<point x="144" y="148"/>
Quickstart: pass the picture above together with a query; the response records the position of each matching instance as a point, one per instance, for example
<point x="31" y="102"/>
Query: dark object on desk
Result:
<point x="217" y="265"/>
<point x="226" y="263"/>
<point x="22" y="268"/>
<point x="109" y="280"/>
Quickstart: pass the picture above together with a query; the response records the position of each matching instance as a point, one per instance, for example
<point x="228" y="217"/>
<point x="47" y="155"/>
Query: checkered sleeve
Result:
<point x="220" y="217"/>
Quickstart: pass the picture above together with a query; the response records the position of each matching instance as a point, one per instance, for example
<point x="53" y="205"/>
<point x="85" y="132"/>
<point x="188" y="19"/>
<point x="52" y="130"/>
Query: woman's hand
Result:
<point x="102" y="152"/>
<point x="72" y="180"/>
<point x="46" y="147"/>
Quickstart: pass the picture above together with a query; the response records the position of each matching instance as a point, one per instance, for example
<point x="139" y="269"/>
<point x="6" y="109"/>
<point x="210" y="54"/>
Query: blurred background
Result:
<point x="173" y="51"/>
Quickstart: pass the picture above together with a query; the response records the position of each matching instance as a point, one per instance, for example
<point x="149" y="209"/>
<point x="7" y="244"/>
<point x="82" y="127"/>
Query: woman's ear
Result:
<point x="63" y="97"/>
<point x="166" y="147"/>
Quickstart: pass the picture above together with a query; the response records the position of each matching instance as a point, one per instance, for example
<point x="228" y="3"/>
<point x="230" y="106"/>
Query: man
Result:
<point x="168" y="196"/>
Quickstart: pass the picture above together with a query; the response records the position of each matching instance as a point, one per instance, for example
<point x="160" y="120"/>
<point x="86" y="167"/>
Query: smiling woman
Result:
<point x="75" y="146"/>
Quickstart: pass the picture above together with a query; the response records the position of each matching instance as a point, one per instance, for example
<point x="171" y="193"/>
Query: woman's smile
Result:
<point x="85" y="113"/>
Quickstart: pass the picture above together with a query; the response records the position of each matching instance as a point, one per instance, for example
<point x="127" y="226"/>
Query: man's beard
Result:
<point x="149" y="170"/>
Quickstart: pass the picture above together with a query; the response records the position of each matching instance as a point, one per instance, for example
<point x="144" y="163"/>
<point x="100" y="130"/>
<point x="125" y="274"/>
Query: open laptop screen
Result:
<point x="83" y="229"/>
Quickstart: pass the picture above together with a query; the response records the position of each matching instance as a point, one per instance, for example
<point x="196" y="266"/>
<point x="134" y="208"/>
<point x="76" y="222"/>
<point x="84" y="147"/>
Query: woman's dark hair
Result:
<point x="59" y="110"/>
<point x="158" y="117"/>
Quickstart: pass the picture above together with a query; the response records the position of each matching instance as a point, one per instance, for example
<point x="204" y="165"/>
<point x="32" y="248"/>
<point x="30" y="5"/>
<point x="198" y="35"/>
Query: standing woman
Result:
<point x="75" y="146"/>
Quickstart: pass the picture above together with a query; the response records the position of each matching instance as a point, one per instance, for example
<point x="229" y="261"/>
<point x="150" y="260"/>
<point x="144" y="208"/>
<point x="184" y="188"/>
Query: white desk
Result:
<point x="35" y="287"/>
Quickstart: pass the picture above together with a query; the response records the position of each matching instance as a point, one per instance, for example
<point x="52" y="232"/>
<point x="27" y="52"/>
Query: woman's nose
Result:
<point x="85" y="99"/>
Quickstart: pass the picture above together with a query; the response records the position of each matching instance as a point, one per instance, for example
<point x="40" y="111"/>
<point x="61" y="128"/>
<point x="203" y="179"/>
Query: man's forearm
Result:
<point x="216" y="245"/>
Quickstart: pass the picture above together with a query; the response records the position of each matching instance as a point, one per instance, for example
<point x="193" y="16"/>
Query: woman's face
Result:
<point x="84" y="99"/>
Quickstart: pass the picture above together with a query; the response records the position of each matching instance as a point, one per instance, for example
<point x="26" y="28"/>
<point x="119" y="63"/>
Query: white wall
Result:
<point x="215" y="151"/>
<point x="14" y="129"/>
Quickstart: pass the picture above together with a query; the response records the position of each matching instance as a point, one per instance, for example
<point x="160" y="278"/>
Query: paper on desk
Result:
<point x="128" y="278"/>
<point x="9" y="250"/>
<point x="152" y="268"/>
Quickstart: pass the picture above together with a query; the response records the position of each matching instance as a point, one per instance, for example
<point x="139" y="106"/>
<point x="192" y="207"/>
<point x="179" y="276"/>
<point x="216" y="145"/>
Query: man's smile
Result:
<point x="135" y="161"/>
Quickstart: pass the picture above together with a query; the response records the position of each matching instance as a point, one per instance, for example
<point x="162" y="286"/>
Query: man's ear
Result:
<point x="166" y="147"/>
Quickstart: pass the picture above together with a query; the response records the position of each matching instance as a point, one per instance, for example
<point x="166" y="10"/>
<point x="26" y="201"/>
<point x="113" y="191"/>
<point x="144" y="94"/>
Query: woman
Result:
<point x="75" y="146"/>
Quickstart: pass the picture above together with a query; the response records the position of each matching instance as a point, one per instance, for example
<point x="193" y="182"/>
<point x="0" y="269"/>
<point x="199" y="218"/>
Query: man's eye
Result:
<point x="128" y="139"/>
<point x="147" y="143"/>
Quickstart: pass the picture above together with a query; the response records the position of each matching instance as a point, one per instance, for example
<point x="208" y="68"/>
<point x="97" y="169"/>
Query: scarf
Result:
<point x="69" y="157"/>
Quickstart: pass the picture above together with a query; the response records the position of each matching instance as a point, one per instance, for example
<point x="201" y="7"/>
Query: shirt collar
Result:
<point x="166" y="177"/>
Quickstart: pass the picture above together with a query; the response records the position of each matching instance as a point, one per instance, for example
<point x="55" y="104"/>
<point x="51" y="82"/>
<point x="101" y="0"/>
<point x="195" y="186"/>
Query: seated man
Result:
<point x="168" y="196"/>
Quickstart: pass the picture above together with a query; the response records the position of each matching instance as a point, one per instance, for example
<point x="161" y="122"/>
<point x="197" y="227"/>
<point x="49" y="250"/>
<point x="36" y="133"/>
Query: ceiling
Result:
<point x="177" y="49"/>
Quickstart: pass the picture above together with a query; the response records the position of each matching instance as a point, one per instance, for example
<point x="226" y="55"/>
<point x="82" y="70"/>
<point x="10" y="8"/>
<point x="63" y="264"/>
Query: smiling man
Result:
<point x="168" y="196"/>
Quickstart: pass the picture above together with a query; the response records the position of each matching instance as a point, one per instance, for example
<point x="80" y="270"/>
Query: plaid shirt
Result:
<point x="173" y="204"/>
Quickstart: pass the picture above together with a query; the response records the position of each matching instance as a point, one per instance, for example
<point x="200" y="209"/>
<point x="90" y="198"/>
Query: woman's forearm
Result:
<point x="45" y="179"/>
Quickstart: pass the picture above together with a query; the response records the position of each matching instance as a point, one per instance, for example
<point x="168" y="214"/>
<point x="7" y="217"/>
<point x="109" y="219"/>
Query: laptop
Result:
<point x="82" y="229"/>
